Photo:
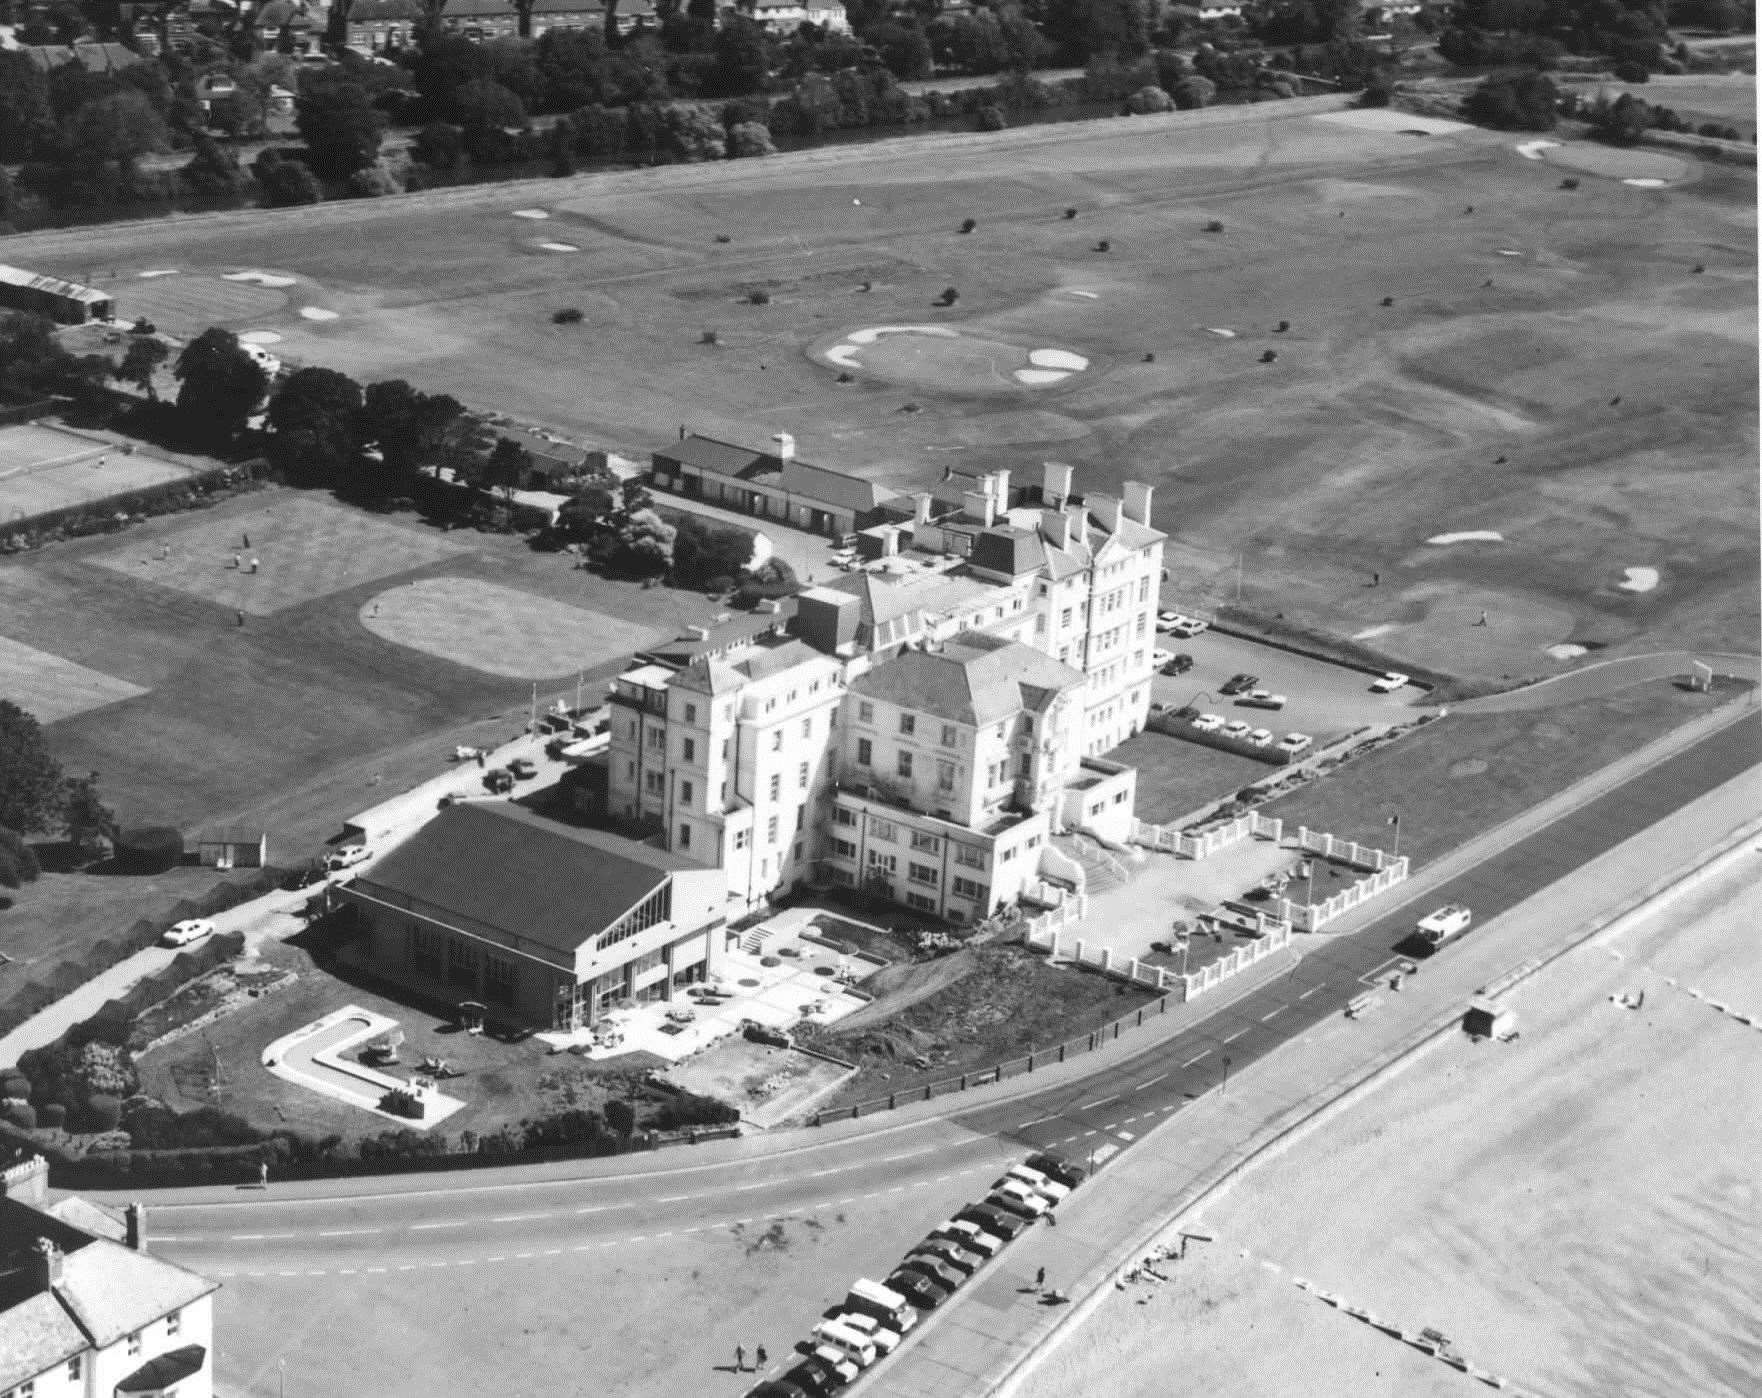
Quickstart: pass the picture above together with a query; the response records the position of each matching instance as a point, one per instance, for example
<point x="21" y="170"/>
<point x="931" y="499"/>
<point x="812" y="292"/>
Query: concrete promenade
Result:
<point x="993" y="1331"/>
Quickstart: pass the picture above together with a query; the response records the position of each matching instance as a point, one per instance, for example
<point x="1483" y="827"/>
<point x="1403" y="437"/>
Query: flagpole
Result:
<point x="1395" y="820"/>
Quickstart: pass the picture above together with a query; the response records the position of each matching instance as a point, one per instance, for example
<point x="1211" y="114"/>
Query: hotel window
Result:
<point x="777" y="741"/>
<point x="691" y="713"/>
<point x="951" y="736"/>
<point x="174" y="1322"/>
<point x="840" y="816"/>
<point x="903" y="764"/>
<point x="878" y="860"/>
<point x="461" y="965"/>
<point x="686" y="792"/>
<point x="1064" y="617"/>
<point x="498" y="979"/>
<point x="802" y="776"/>
<point x="740" y="839"/>
<point x="776" y="785"/>
<point x="76" y="1369"/>
<point x="684" y="836"/>
<point x="657" y="737"/>
<point x="688" y="750"/>
<point x="654" y="782"/>
<point x="926" y="844"/>
<point x="865" y="712"/>
<point x="865" y="753"/>
<point x="134" y="1343"/>
<point x="425" y="951"/>
<point x="968" y="857"/>
<point x="945" y="776"/>
<point x="771" y="831"/>
<point x="920" y="902"/>
<point x="807" y="726"/>
<point x="844" y="849"/>
<point x="883" y="829"/>
<point x="968" y="888"/>
<point x="908" y="724"/>
<point x="921" y="873"/>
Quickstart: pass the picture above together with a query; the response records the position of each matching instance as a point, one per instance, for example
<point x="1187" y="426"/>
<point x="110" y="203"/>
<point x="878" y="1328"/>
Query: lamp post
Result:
<point x="281" y="1368"/>
<point x="1225" y="1086"/>
<point x="1395" y="820"/>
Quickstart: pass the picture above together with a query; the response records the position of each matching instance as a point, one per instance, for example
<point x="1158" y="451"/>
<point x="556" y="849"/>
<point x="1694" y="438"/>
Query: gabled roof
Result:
<point x="504" y="869"/>
<point x="480" y="9"/>
<point x="722" y="458"/>
<point x="977" y="680"/>
<point x="833" y="487"/>
<point x="1009" y="550"/>
<point x="381" y="11"/>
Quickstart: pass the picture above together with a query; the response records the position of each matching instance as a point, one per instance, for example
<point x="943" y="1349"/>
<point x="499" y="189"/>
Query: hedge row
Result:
<point x="114" y="512"/>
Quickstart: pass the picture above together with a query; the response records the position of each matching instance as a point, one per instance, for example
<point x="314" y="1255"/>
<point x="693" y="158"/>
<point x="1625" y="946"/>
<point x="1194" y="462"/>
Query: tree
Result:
<point x="140" y="361"/>
<point x="749" y="138"/>
<point x="504" y="468"/>
<point x="87" y="818"/>
<point x="211" y="170"/>
<point x="340" y="125"/>
<point x="27" y="121"/>
<point x="704" y="553"/>
<point x="219" y="386"/>
<point x="745" y="56"/>
<point x="645" y="544"/>
<point x="315" y="416"/>
<point x="18" y="861"/>
<point x="903" y="47"/>
<point x="32" y="793"/>
<point x="117" y="129"/>
<point x="1623" y="122"/>
<point x="285" y="183"/>
<point x="1513" y="102"/>
<point x="407" y="425"/>
<point x="1192" y="93"/>
<point x="571" y="67"/>
<point x="33" y="362"/>
<point x="439" y="145"/>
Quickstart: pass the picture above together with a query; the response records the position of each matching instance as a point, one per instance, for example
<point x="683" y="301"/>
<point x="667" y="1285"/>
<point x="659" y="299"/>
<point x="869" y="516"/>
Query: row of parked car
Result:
<point x="875" y="1317"/>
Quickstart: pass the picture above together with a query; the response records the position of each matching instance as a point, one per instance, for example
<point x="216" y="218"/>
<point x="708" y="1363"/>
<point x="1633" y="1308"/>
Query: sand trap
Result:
<point x="1041" y="376"/>
<point x="317" y="313"/>
<point x="1219" y="331"/>
<point x="1566" y="651"/>
<point x="870" y="334"/>
<point x="844" y="355"/>
<point x="1086" y="295"/>
<point x="1509" y="252"/>
<point x="530" y="213"/>
<point x="260" y="337"/>
<point x="159" y="272"/>
<point x="1057" y="359"/>
<point x="559" y="247"/>
<point x="1370" y="633"/>
<point x="1532" y="150"/>
<point x="260" y="278"/>
<point x="1639" y="580"/>
<point x="1646" y="182"/>
<point x="1469" y="536"/>
<point x="1394" y="122"/>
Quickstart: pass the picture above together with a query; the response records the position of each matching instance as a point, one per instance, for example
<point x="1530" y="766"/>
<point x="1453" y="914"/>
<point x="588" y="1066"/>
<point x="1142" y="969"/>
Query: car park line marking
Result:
<point x="906" y="1155"/>
<point x="1158" y="1078"/>
<point x="1196" y="1057"/>
<point x="345" y="1232"/>
<point x="516" y="1218"/>
<point x="664" y="1199"/>
<point x="1037" y="1120"/>
<point x="466" y="1262"/>
<point x="760" y="1184"/>
<point x="1270" y="1013"/>
<point x="1089" y="1106"/>
<point x="523" y="1256"/>
<point x="260" y="1237"/>
<point x="1237" y="1035"/>
<point x="850" y="1200"/>
<point x="428" y="1227"/>
<point x="407" y="1267"/>
<point x="552" y="1252"/>
<point x="499" y="1258"/>
<point x="601" y="1208"/>
<point x="1322" y="985"/>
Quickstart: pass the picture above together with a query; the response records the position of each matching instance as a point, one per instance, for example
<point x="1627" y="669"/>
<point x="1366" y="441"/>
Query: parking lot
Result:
<point x="1325" y="700"/>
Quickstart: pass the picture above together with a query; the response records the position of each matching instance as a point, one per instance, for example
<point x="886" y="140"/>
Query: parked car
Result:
<point x="811" y="1377"/>
<point x="1239" y="683"/>
<point x="1164" y="620"/>
<point x="346" y="857"/>
<point x="998" y="1222"/>
<point x="952" y="1253"/>
<point x="1261" y="737"/>
<point x="1160" y="657"/>
<point x="1389" y="682"/>
<point x="1262" y="699"/>
<point x="1188" y="626"/>
<point x="970" y="1236"/>
<point x="523" y="768"/>
<point x="883" y="1337"/>
<point x="1056" y="1167"/>
<point x="780" y="1388"/>
<point x="1017" y="1198"/>
<point x="499" y="780"/>
<point x="1178" y="664"/>
<point x="934" y="1268"/>
<point x="1209" y="723"/>
<point x="1049" y="1189"/>
<point x="1295" y="743"/>
<point x="844" y="1370"/>
<point x="922" y="1291"/>
<point x="191" y="929"/>
<point x="1236" y="728"/>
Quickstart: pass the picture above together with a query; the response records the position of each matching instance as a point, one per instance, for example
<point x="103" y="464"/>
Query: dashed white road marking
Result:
<point x="1312" y="990"/>
<point x="1205" y="1053"/>
<point x="1148" y="1082"/>
<point x="1101" y="1102"/>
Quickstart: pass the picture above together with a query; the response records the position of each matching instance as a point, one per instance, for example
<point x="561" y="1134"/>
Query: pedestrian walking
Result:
<point x="235" y="560"/>
<point x="1040" y="1279"/>
<point x="164" y="552"/>
<point x="263" y="1174"/>
<point x="1051" y="1219"/>
<point x="740" y="1359"/>
<point x="247" y="539"/>
<point x="758" y="1358"/>
<point x="241" y="616"/>
<point x="1483" y="620"/>
<point x="254" y="564"/>
<point x="1376" y="579"/>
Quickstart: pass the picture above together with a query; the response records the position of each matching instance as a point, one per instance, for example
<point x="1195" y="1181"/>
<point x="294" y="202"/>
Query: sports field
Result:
<point x="43" y="468"/>
<point x="1551" y="366"/>
<point x="51" y="688"/>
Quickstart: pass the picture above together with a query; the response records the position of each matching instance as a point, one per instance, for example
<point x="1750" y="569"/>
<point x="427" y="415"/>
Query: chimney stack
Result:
<point x="45" y="1264"/>
<point x="1137" y="501"/>
<point x="1108" y="511"/>
<point x="921" y="508"/>
<point x="1001" y="475"/>
<point x="1055" y="483"/>
<point x="136" y="1236"/>
<point x="1056" y="526"/>
<point x="785" y="446"/>
<point x="980" y="506"/>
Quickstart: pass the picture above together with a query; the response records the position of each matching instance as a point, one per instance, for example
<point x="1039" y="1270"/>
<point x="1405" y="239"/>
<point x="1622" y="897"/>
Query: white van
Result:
<point x="855" y="1346"/>
<point x="1015" y="1196"/>
<point x="834" y="1359"/>
<point x="884" y="1339"/>
<point x="882" y="1302"/>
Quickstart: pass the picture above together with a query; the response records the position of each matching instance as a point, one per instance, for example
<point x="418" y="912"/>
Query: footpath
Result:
<point x="992" y="1334"/>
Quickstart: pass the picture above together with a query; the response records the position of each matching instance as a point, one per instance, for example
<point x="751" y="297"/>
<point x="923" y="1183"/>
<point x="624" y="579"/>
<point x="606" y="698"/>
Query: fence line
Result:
<point x="1387" y="870"/>
<point x="1207" y="842"/>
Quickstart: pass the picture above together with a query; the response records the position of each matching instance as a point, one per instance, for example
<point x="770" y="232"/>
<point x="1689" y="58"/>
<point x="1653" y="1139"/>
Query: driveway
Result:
<point x="1327" y="700"/>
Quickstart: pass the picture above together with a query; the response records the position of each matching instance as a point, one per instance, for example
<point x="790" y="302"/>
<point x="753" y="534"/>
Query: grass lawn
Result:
<point x="1454" y="779"/>
<point x="500" y="1083"/>
<point x="60" y="916"/>
<point x="1175" y="777"/>
<point x="1006" y="1002"/>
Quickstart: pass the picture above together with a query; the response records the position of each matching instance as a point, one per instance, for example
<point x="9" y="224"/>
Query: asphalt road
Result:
<point x="1104" y="1115"/>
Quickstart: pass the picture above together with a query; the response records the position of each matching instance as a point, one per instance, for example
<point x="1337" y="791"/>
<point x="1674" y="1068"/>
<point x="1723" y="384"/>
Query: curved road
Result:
<point x="857" y="1195"/>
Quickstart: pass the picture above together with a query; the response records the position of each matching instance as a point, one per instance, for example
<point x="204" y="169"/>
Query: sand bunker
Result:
<point x="1389" y="120"/>
<point x="1639" y="580"/>
<point x="317" y="313"/>
<point x="260" y="337"/>
<point x="159" y="272"/>
<point x="1370" y="633"/>
<point x="1510" y="252"/>
<point x="1645" y="182"/>
<point x="1566" y="651"/>
<point x="1469" y="536"/>
<point x="260" y="278"/>
<point x="1086" y="295"/>
<point x="939" y="357"/>
<point x="1219" y="331"/>
<point x="530" y="213"/>
<point x="1532" y="150"/>
<point x="559" y="247"/>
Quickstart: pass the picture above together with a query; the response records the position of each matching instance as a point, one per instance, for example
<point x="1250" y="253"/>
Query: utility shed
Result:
<point x="69" y="303"/>
<point x="1488" y="1019"/>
